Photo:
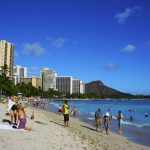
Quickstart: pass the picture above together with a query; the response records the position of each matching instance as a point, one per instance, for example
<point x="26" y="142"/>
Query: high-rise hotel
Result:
<point x="7" y="56"/>
<point x="19" y="72"/>
<point x="67" y="84"/>
<point x="48" y="79"/>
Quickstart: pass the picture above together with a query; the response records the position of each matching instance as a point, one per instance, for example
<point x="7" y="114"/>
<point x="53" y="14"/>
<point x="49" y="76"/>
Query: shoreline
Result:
<point x="118" y="99"/>
<point x="49" y="133"/>
<point x="132" y="133"/>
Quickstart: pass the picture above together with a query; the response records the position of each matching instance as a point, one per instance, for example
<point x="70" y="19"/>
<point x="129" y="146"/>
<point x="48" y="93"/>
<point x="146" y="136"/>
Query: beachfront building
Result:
<point x="18" y="73"/>
<point x="7" y="56"/>
<point x="75" y="86"/>
<point x="82" y="87"/>
<point x="78" y="86"/>
<point x="36" y="82"/>
<point x="48" y="79"/>
<point x="64" y="84"/>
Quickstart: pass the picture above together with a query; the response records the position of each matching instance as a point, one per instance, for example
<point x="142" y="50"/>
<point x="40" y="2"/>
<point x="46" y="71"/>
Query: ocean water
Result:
<point x="137" y="130"/>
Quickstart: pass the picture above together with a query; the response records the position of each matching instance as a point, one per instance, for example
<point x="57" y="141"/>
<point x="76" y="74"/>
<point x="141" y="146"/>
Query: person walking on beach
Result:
<point x="74" y="111"/>
<point x="98" y="119"/>
<point x="119" y="118"/>
<point x="107" y="122"/>
<point x="66" y="113"/>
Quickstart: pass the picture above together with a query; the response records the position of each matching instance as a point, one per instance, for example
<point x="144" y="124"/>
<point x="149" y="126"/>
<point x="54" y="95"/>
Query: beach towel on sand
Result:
<point x="8" y="127"/>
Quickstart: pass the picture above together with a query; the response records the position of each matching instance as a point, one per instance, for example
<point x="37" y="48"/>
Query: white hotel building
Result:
<point x="67" y="84"/>
<point x="19" y="72"/>
<point x="48" y="79"/>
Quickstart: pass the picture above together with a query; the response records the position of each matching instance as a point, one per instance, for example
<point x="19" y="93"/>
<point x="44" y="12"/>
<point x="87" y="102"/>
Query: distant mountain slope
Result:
<point x="101" y="90"/>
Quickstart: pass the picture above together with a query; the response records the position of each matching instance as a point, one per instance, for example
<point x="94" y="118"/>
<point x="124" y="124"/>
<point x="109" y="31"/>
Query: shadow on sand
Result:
<point x="88" y="128"/>
<point x="56" y="123"/>
<point x="40" y="122"/>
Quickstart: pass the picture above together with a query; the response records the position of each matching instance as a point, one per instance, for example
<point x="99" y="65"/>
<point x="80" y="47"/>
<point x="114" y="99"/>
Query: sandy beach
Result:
<point x="48" y="133"/>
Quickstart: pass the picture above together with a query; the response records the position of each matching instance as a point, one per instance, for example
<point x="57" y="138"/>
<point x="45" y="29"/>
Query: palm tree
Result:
<point x="4" y="70"/>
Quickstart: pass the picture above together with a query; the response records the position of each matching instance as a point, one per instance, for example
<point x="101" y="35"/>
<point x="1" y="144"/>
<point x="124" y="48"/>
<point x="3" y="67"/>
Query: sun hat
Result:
<point x="107" y="114"/>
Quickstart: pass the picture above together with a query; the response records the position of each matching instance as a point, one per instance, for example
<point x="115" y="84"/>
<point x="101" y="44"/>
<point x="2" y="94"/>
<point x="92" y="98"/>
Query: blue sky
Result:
<point x="107" y="40"/>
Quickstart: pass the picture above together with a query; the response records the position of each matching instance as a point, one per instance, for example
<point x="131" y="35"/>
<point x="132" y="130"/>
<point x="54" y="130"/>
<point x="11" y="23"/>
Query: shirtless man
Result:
<point x="22" y="118"/>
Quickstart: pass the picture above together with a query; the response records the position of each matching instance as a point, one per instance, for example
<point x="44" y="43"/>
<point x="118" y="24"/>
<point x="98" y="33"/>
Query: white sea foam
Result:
<point x="136" y="124"/>
<point x="90" y="118"/>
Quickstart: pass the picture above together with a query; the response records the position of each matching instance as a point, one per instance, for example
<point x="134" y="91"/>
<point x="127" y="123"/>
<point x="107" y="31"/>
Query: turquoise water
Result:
<point x="137" y="130"/>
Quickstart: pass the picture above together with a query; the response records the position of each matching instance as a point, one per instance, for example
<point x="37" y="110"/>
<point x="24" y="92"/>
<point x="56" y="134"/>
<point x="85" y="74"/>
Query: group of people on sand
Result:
<point x="100" y="120"/>
<point x="106" y="120"/>
<point x="17" y="115"/>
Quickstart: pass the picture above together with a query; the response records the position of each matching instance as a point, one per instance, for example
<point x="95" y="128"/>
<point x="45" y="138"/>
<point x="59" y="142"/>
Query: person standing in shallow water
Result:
<point x="107" y="122"/>
<point x="119" y="118"/>
<point x="74" y="111"/>
<point x="110" y="118"/>
<point x="60" y="109"/>
<point x="66" y="113"/>
<point x="99" y="118"/>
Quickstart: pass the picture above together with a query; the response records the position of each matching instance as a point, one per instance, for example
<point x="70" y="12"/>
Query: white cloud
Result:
<point x="129" y="48"/>
<point x="122" y="17"/>
<point x="33" y="49"/>
<point x="58" y="43"/>
<point x="110" y="66"/>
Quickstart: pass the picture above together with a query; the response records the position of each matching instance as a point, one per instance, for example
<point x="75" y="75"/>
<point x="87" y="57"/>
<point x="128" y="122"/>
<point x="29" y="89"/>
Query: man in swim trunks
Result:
<point x="22" y="118"/>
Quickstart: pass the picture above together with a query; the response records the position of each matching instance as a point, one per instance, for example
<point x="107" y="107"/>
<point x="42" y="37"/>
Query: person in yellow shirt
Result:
<point x="66" y="113"/>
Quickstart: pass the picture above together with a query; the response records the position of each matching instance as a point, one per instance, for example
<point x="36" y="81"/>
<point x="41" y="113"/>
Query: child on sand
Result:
<point x="32" y="116"/>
